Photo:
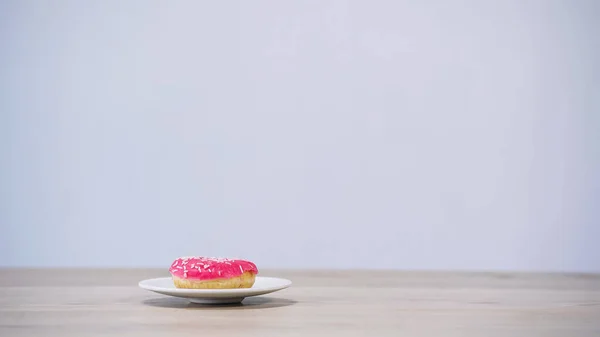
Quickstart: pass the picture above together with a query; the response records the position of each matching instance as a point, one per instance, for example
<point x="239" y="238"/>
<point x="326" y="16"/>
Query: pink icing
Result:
<point x="209" y="268"/>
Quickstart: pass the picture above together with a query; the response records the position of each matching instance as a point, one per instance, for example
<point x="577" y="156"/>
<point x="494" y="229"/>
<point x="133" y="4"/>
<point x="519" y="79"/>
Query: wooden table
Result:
<point x="90" y="302"/>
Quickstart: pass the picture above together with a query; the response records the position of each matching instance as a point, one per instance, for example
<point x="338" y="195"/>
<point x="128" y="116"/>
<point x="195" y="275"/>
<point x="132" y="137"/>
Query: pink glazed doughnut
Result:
<point x="194" y="272"/>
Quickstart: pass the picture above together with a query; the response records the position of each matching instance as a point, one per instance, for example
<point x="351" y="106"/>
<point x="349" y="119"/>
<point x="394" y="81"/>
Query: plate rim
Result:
<point x="234" y="292"/>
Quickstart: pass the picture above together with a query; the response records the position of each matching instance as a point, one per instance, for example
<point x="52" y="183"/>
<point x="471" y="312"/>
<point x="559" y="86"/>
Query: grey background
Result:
<point x="344" y="134"/>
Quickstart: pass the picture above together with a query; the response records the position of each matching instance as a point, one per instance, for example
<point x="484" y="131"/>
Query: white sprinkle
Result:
<point x="192" y="265"/>
<point x="178" y="267"/>
<point x="242" y="270"/>
<point x="187" y="257"/>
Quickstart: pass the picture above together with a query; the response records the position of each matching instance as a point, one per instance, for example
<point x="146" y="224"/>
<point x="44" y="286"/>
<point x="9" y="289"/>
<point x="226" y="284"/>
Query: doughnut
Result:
<point x="195" y="272"/>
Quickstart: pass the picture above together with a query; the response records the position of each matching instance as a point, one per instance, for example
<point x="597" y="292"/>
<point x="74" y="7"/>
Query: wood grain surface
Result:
<point x="107" y="302"/>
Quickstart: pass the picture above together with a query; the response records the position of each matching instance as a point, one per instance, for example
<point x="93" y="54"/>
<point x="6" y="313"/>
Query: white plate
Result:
<point x="262" y="285"/>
